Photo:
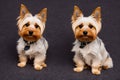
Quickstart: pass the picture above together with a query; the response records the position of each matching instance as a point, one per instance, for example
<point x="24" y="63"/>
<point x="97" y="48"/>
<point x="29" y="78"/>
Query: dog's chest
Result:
<point x="33" y="50"/>
<point x="87" y="56"/>
<point x="89" y="52"/>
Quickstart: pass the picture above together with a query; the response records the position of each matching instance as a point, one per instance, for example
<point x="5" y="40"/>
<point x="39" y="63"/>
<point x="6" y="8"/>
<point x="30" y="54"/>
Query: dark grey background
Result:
<point x="59" y="34"/>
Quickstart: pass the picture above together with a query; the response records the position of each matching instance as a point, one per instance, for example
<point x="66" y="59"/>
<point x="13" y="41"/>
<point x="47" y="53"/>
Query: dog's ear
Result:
<point x="23" y="11"/>
<point x="76" y="13"/>
<point x="97" y="14"/>
<point x="42" y="15"/>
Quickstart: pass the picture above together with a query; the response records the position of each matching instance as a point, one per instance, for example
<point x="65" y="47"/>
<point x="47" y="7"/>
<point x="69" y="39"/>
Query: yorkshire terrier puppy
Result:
<point x="88" y="47"/>
<point x="32" y="44"/>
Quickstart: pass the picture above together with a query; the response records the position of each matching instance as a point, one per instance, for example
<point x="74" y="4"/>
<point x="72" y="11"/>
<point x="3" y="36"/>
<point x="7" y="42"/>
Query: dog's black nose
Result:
<point x="30" y="33"/>
<point x="85" y="32"/>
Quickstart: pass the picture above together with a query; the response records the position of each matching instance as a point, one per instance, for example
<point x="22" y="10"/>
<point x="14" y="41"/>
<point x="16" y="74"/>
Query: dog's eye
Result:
<point x="91" y="26"/>
<point x="27" y="24"/>
<point x="80" y="26"/>
<point x="36" y="26"/>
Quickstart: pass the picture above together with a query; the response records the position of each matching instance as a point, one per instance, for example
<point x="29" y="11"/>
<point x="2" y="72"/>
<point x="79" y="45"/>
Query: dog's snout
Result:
<point x="30" y="33"/>
<point x="85" y="32"/>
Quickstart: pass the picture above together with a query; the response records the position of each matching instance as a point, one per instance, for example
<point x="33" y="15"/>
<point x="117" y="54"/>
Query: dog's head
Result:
<point x="31" y="27"/>
<point x="86" y="28"/>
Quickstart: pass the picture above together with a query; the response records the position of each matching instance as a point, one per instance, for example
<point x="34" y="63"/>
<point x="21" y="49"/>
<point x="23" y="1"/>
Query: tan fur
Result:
<point x="23" y="11"/>
<point x="25" y="33"/>
<point x="97" y="14"/>
<point x="96" y="71"/>
<point x="90" y="36"/>
<point x="38" y="65"/>
<point x="91" y="32"/>
<point x="106" y="63"/>
<point x="22" y="61"/>
<point x="79" y="63"/>
<point x="77" y="13"/>
<point x="43" y="15"/>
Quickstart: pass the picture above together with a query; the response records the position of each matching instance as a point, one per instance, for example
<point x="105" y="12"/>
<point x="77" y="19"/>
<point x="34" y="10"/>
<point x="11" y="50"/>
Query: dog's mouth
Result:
<point x="86" y="38"/>
<point x="31" y="37"/>
<point x="28" y="35"/>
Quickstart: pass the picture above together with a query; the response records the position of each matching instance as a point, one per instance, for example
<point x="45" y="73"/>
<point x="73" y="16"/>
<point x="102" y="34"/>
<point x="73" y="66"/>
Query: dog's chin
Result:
<point x="31" y="38"/>
<point x="86" y="38"/>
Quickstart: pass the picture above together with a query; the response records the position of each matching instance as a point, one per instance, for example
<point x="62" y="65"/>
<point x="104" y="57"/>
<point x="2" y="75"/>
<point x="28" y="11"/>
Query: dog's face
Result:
<point x="86" y="28"/>
<point x="31" y="27"/>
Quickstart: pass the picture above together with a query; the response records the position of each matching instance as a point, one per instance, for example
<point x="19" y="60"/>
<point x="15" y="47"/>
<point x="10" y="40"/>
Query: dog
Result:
<point x="88" y="47"/>
<point x="32" y="44"/>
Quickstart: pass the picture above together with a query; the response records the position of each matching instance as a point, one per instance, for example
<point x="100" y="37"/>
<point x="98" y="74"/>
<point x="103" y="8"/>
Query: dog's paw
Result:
<point x="38" y="67"/>
<point x="21" y="64"/>
<point x="96" y="71"/>
<point x="78" y="69"/>
<point x="44" y="65"/>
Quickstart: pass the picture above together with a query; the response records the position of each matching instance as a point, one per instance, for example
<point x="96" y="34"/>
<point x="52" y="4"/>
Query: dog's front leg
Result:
<point x="39" y="61"/>
<point x="22" y="60"/>
<point x="96" y="66"/>
<point x="79" y="63"/>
